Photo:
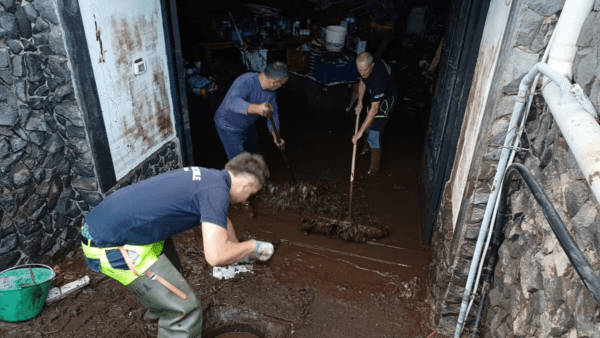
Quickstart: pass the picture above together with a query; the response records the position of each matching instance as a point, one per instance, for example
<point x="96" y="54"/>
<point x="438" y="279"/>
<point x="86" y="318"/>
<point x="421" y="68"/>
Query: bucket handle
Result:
<point x="31" y="274"/>
<point x="30" y="271"/>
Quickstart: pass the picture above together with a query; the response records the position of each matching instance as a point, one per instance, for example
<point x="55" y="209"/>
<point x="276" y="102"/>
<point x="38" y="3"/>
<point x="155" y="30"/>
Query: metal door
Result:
<point x="466" y="22"/>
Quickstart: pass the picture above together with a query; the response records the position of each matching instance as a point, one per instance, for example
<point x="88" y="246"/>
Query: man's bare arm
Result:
<point x="221" y="246"/>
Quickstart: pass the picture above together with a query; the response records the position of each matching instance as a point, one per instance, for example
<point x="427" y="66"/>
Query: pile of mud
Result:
<point x="303" y="196"/>
<point x="323" y="209"/>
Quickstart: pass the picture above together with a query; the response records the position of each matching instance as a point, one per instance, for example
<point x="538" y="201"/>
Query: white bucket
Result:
<point x="335" y="38"/>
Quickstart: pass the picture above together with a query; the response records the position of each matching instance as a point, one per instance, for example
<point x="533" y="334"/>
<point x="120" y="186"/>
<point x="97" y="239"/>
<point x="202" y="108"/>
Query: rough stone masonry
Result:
<point x="47" y="174"/>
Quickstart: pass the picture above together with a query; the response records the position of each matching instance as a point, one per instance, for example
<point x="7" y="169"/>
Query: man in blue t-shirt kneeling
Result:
<point x="127" y="235"/>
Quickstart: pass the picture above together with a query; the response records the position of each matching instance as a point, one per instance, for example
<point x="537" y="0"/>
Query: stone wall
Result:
<point x="536" y="291"/>
<point x="47" y="174"/>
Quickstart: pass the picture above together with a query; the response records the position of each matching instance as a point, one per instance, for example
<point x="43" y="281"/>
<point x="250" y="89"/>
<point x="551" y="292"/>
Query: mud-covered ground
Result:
<point x="315" y="285"/>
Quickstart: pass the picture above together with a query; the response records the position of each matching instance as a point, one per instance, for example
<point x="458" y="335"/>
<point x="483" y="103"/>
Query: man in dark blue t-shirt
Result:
<point x="124" y="236"/>
<point x="376" y="76"/>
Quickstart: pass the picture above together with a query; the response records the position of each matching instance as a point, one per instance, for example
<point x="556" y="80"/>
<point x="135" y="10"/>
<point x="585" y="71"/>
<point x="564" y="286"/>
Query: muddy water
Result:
<point x="385" y="270"/>
<point x="391" y="261"/>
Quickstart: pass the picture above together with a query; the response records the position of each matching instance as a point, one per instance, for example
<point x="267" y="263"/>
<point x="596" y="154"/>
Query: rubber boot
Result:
<point x="171" y="253"/>
<point x="365" y="149"/>
<point x="375" y="160"/>
<point x="178" y="318"/>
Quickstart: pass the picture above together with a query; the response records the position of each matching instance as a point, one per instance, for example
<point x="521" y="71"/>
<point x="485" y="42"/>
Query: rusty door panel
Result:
<point x="127" y="43"/>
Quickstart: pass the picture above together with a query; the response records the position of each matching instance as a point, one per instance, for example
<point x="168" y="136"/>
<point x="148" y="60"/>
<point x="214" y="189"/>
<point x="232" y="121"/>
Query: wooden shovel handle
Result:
<point x="352" y="168"/>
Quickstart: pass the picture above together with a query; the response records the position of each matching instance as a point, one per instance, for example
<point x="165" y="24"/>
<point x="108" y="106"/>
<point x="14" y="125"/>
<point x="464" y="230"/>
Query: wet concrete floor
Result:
<point x="314" y="286"/>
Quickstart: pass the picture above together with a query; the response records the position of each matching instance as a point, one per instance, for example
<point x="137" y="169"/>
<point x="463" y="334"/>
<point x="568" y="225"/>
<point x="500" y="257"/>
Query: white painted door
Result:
<point x="127" y="48"/>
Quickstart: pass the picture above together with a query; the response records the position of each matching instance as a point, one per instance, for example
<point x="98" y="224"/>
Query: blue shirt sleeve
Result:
<point x="214" y="206"/>
<point x="238" y="97"/>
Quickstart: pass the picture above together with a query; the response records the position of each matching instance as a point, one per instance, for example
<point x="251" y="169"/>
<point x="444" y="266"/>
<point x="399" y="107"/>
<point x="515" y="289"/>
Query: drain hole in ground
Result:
<point x="237" y="335"/>
<point x="234" y="331"/>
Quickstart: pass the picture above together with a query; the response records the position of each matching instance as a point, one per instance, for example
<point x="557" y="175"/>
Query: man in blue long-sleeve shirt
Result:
<point x="250" y="96"/>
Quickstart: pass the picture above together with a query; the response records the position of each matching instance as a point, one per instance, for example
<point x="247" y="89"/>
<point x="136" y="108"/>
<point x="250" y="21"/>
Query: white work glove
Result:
<point x="263" y="250"/>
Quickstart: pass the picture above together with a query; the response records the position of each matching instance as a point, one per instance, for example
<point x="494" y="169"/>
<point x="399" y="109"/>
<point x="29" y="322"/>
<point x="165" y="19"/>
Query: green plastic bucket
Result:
<point x="23" y="291"/>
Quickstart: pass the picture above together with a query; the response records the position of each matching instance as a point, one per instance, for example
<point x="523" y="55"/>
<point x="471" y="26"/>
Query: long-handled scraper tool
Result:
<point x="279" y="141"/>
<point x="346" y="229"/>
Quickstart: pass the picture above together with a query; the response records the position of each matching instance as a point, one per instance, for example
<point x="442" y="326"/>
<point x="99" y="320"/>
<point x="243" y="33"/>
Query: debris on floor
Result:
<point x="57" y="293"/>
<point x="322" y="208"/>
<point x="230" y="271"/>
<point x="310" y="196"/>
<point x="350" y="231"/>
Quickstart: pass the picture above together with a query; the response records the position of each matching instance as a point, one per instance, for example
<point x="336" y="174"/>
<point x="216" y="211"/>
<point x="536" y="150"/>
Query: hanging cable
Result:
<point x="580" y="263"/>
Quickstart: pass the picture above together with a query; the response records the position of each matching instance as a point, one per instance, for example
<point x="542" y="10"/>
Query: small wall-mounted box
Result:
<point x="139" y="66"/>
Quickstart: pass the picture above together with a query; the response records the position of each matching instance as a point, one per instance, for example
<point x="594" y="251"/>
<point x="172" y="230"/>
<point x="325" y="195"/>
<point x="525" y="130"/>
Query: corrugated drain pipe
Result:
<point x="580" y="263"/>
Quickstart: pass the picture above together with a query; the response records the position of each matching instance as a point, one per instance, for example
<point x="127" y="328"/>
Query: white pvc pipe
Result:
<point x="580" y="130"/>
<point x="567" y="32"/>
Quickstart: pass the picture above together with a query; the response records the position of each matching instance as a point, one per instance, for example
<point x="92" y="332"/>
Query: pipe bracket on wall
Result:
<point x="583" y="99"/>
<point x="520" y="99"/>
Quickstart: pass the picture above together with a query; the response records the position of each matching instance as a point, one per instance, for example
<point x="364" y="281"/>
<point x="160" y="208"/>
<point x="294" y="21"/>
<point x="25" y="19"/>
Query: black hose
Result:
<point x="475" y="330"/>
<point x="580" y="263"/>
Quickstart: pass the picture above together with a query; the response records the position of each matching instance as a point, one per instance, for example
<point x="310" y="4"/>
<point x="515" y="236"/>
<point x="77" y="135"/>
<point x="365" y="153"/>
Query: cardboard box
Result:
<point x="298" y="60"/>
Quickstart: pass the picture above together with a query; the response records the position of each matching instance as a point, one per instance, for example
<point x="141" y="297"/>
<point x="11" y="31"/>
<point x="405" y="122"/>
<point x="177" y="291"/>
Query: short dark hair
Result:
<point x="249" y="164"/>
<point x="277" y="71"/>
